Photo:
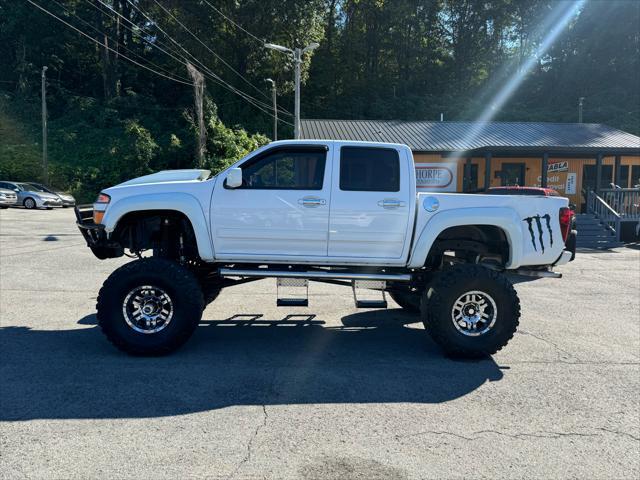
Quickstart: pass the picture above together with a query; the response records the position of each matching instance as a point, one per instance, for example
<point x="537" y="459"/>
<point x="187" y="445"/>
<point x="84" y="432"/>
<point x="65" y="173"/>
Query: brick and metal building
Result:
<point x="469" y="157"/>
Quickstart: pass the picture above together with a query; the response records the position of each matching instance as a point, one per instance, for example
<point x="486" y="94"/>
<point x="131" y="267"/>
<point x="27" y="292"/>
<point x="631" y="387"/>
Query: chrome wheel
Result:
<point x="29" y="203"/>
<point x="474" y="313"/>
<point x="147" y="309"/>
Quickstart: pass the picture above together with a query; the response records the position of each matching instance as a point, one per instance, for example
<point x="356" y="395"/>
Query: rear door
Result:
<point x="282" y="209"/>
<point x="371" y="201"/>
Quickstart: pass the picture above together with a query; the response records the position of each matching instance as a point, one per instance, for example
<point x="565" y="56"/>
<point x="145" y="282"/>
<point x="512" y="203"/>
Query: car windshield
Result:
<point x="40" y="188"/>
<point x="32" y="186"/>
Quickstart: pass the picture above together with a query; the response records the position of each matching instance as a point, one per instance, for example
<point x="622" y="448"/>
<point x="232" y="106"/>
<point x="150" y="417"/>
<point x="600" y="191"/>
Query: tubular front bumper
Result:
<point x="95" y="235"/>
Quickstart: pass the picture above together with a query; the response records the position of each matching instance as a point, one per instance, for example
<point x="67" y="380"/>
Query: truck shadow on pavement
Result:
<point x="374" y="357"/>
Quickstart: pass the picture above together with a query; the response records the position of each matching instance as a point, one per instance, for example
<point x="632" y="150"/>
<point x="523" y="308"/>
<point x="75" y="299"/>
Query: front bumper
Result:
<point x="8" y="202"/>
<point x="95" y="234"/>
<point x="68" y="203"/>
<point x="48" y="202"/>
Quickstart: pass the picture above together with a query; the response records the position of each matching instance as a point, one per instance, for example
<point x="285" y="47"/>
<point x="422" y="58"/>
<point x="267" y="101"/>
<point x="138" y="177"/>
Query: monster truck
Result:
<point x="325" y="211"/>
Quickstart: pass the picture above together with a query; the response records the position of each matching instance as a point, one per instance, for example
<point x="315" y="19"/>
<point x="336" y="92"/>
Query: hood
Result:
<point x="42" y="194"/>
<point x="167" y="176"/>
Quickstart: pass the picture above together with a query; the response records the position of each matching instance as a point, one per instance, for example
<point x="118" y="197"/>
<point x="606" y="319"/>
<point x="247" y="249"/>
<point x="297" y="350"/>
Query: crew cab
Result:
<point x="327" y="211"/>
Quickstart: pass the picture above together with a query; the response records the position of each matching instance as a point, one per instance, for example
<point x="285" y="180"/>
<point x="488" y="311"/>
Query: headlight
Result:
<point x="100" y="206"/>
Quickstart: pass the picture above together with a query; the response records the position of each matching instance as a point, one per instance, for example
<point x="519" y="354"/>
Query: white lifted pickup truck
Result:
<point x="326" y="211"/>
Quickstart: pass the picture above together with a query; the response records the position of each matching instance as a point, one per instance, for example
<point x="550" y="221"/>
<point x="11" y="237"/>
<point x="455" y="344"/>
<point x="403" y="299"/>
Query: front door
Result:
<point x="281" y="209"/>
<point x="370" y="203"/>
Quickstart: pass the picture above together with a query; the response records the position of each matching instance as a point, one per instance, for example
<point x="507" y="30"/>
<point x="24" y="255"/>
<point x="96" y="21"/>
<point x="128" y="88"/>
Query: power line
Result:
<point x="216" y="78"/>
<point x="156" y="44"/>
<point x="208" y="48"/>
<point x="105" y="46"/>
<point x="250" y="100"/>
<point x="235" y="24"/>
<point x="162" y="69"/>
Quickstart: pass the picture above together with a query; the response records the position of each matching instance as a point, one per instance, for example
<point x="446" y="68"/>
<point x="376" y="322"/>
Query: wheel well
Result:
<point x="471" y="244"/>
<point x="169" y="233"/>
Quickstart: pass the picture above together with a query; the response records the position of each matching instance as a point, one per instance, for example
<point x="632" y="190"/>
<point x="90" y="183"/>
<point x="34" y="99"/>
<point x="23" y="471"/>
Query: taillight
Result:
<point x="565" y="222"/>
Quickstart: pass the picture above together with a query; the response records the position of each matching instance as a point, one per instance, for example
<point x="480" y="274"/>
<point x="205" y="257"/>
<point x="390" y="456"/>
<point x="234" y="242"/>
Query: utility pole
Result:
<point x="198" y="93"/>
<point x="45" y="166"/>
<point x="297" y="59"/>
<point x="275" y="108"/>
<point x="580" y="102"/>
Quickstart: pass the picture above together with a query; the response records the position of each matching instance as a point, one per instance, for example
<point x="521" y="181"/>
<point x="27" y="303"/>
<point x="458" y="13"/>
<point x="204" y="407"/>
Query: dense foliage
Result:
<point x="110" y="119"/>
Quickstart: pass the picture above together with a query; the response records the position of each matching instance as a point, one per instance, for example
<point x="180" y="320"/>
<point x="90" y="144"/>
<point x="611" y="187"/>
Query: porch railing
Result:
<point x="624" y="201"/>
<point x="597" y="206"/>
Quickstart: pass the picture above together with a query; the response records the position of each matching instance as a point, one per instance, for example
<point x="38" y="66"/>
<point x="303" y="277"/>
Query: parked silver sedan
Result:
<point x="8" y="198"/>
<point x="67" y="198"/>
<point x="32" y="197"/>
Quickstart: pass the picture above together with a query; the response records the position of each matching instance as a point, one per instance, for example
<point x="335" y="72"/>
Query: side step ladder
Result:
<point x="369" y="285"/>
<point x="295" y="284"/>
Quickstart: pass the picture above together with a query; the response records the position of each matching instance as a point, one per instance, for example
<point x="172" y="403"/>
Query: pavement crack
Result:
<point x="618" y="432"/>
<point x="249" y="450"/>
<point x="544" y="434"/>
<point x="548" y="342"/>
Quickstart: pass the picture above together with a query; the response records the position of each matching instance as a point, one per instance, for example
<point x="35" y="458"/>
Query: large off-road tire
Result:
<point x="472" y="311"/>
<point x="409" y="301"/>
<point x="29" y="203"/>
<point x="150" y="306"/>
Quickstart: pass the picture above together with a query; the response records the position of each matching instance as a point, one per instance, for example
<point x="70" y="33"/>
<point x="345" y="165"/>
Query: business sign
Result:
<point x="437" y="177"/>
<point x="570" y="188"/>
<point x="558" y="167"/>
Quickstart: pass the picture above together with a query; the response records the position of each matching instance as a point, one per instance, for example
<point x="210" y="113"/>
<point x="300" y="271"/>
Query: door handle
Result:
<point x="391" y="203"/>
<point x="312" y="202"/>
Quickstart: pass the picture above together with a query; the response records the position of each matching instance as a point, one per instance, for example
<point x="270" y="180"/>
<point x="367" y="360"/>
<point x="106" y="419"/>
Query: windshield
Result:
<point x="40" y="188"/>
<point x="30" y="187"/>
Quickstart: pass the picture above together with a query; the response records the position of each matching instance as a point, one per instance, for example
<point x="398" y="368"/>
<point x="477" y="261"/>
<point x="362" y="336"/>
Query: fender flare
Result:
<point x="504" y="218"/>
<point x="179" y="202"/>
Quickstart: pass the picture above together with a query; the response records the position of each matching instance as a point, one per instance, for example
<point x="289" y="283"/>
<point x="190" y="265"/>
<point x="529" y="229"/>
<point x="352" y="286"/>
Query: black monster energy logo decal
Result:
<point x="538" y="220"/>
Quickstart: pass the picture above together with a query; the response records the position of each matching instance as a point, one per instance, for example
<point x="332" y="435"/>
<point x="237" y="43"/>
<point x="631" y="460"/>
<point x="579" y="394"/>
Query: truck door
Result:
<point x="281" y="209"/>
<point x="371" y="200"/>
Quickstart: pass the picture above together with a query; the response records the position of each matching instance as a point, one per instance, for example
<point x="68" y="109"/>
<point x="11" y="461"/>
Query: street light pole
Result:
<point x="45" y="166"/>
<point x="297" y="55"/>
<point x="297" y="59"/>
<point x="275" y="108"/>
<point x="580" y="103"/>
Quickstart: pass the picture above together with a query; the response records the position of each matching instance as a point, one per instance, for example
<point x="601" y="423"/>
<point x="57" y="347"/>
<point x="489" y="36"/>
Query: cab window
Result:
<point x="286" y="169"/>
<point x="369" y="169"/>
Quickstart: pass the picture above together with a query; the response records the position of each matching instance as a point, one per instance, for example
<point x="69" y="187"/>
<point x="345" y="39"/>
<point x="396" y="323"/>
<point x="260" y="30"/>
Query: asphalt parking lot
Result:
<point x="326" y="391"/>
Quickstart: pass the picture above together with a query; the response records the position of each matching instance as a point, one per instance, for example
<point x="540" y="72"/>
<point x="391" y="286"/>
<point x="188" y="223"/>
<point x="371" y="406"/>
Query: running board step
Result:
<point x="369" y="285"/>
<point x="289" y="285"/>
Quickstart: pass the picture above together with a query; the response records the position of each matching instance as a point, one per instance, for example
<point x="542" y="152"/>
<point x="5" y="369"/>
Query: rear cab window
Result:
<point x="369" y="169"/>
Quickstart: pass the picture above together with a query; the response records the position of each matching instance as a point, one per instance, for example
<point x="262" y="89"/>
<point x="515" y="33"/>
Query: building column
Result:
<point x="617" y="172"/>
<point x="487" y="170"/>
<point x="467" y="175"/>
<point x="598" y="173"/>
<point x="545" y="167"/>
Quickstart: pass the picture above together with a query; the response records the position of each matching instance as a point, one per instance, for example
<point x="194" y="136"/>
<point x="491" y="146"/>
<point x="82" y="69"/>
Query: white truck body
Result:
<point x="331" y="226"/>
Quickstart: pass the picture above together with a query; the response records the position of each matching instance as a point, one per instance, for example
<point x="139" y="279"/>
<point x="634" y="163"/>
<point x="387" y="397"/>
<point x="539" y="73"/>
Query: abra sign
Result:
<point x="438" y="177"/>
<point x="558" y="167"/>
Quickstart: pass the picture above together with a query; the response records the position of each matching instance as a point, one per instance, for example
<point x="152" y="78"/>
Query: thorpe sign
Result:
<point x="437" y="177"/>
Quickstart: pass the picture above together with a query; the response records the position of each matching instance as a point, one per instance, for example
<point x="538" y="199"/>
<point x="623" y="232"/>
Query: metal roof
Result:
<point x="468" y="136"/>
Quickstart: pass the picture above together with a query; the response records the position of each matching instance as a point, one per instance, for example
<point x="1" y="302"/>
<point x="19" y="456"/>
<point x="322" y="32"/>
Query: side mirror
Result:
<point x="234" y="178"/>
